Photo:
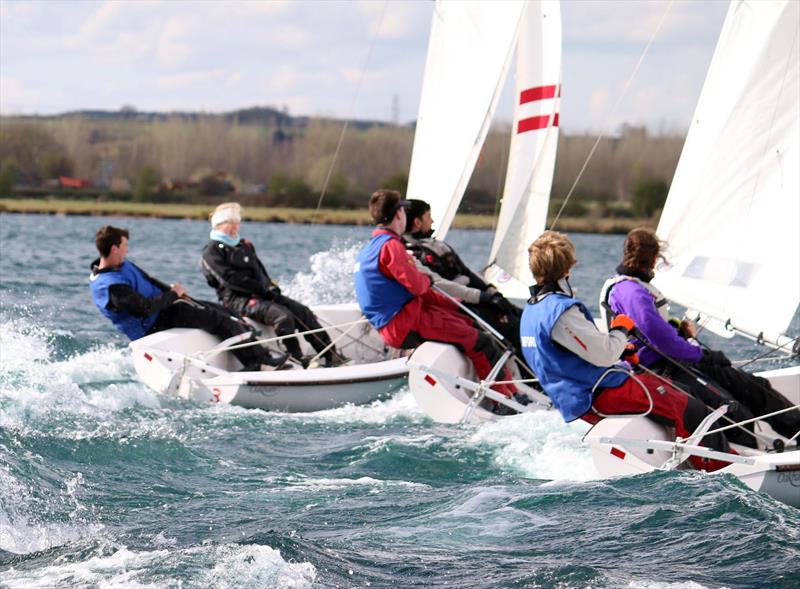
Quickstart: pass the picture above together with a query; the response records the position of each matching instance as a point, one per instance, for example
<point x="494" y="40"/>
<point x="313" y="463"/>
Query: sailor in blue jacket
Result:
<point x="138" y="304"/>
<point x="577" y="365"/>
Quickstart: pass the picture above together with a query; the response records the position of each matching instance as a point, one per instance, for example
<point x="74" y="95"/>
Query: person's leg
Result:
<point x="281" y="320"/>
<point x="307" y="321"/>
<point x="198" y="315"/>
<point x="758" y="396"/>
<point x="670" y="408"/>
<point x="447" y="326"/>
<point x="714" y="395"/>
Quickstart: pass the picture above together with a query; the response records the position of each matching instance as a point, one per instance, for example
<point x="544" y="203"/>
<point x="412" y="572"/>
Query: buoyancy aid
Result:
<point x="379" y="297"/>
<point x="130" y="274"/>
<point x="436" y="255"/>
<point x="661" y="302"/>
<point x="566" y="378"/>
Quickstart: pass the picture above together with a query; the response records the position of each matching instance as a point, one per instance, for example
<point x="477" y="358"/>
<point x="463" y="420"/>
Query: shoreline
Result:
<point x="284" y="215"/>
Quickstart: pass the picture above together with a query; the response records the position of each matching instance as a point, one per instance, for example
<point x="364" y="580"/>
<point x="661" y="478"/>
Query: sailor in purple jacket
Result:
<point x="630" y="293"/>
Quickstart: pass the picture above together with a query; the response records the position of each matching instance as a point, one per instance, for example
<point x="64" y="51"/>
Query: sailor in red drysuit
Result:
<point x="399" y="302"/>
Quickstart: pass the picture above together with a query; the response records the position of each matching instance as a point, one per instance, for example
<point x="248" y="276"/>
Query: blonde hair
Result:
<point x="225" y="213"/>
<point x="551" y="256"/>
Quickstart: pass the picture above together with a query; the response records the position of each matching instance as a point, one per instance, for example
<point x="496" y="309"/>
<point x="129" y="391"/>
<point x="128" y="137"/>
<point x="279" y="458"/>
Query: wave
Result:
<point x="221" y="566"/>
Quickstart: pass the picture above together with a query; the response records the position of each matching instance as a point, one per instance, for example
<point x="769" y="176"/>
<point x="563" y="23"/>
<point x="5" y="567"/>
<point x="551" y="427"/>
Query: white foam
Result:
<point x="224" y="566"/>
<point x="330" y="279"/>
<point x="400" y="405"/>
<point x="539" y="445"/>
<point x="302" y="483"/>
<point x="20" y="533"/>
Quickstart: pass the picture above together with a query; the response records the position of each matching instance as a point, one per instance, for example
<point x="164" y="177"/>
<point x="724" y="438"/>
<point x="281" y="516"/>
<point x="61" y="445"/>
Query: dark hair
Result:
<point x="641" y="249"/>
<point x="415" y="209"/>
<point x="107" y="237"/>
<point x="383" y="205"/>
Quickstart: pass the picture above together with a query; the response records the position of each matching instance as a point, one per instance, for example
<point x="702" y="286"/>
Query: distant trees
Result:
<point x="9" y="173"/>
<point x="192" y="150"/>
<point x="146" y="182"/>
<point x="649" y="196"/>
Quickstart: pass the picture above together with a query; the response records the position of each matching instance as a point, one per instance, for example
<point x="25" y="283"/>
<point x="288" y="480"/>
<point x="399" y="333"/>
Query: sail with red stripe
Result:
<point x="532" y="157"/>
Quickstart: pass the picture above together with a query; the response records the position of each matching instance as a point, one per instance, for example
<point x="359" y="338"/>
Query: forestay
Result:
<point x="732" y="219"/>
<point x="529" y="178"/>
<point x="468" y="55"/>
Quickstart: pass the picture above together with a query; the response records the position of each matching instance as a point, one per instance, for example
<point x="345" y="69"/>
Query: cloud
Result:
<point x="173" y="48"/>
<point x="15" y="97"/>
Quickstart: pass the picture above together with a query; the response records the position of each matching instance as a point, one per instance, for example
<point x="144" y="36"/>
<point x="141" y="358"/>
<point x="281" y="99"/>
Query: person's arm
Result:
<point x="216" y="261"/>
<point x="638" y="304"/>
<point x="395" y="262"/>
<point x="581" y="337"/>
<point x="121" y="297"/>
<point x="454" y="289"/>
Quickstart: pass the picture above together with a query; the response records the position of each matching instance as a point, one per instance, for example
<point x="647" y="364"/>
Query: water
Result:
<point x="103" y="483"/>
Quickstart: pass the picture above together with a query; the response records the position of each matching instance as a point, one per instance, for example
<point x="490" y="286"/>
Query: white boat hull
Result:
<point x="623" y="446"/>
<point x="442" y="380"/>
<point x="171" y="362"/>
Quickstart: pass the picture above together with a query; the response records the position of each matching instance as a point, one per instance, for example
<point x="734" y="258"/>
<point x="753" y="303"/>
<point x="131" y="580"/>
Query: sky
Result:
<point x="346" y="59"/>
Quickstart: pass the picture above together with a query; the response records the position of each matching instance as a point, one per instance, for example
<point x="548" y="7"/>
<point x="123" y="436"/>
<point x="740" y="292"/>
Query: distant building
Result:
<point x="69" y="182"/>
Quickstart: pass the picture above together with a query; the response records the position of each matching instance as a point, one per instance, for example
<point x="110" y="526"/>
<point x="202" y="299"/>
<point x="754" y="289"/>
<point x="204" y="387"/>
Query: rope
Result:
<point x="768" y="353"/>
<point x="206" y="354"/>
<point x="603" y="128"/>
<point x="754" y="419"/>
<point x="350" y="112"/>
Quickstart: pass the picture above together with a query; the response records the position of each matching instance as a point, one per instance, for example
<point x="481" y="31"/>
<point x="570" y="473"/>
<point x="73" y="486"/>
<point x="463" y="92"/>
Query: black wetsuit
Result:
<point x="182" y="312"/>
<point x="244" y="286"/>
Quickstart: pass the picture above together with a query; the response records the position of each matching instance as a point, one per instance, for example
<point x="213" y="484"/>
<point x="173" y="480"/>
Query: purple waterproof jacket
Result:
<point x="634" y="300"/>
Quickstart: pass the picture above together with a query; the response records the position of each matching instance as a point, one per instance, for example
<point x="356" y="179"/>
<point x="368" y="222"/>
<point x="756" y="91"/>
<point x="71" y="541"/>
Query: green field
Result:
<point x="50" y="206"/>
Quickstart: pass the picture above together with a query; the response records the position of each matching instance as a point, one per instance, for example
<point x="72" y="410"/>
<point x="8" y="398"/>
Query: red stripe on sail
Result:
<point x="538" y="93"/>
<point x="534" y="123"/>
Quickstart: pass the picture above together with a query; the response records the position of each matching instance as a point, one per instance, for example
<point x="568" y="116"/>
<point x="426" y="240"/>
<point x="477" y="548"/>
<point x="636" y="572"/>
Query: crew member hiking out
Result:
<point x="577" y="364"/>
<point x="449" y="273"/>
<point x="138" y="304"/>
<point x="668" y="345"/>
<point x="399" y="302"/>
<point x="232" y="267"/>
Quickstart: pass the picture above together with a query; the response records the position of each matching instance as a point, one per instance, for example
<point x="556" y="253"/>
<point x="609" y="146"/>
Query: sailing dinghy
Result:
<point x="441" y="379"/>
<point x="193" y="364"/>
<point x="732" y="222"/>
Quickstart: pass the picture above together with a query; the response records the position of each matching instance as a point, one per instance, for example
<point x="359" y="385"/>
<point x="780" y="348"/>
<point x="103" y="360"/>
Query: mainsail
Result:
<point x="533" y="149"/>
<point x="732" y="219"/>
<point x="468" y="55"/>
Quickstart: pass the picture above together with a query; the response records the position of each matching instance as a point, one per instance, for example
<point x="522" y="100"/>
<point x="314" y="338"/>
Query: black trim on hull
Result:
<point x="324" y="382"/>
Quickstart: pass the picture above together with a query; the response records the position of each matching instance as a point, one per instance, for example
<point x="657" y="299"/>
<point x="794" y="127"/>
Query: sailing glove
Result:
<point x="630" y="355"/>
<point x="623" y="322"/>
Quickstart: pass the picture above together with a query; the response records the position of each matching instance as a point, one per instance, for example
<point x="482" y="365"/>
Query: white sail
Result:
<point x="468" y="55"/>
<point x="533" y="149"/>
<point x="732" y="219"/>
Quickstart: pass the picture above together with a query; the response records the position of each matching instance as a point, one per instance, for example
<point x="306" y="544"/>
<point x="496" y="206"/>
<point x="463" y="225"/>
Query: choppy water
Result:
<point x="105" y="484"/>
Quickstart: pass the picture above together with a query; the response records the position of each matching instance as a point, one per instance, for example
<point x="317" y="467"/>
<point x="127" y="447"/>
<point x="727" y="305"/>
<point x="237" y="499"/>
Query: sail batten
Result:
<point x="731" y="219"/>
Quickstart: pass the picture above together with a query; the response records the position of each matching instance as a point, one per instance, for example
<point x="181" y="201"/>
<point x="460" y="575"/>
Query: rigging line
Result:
<point x="350" y="112"/>
<point x="769" y="352"/>
<point x="603" y="129"/>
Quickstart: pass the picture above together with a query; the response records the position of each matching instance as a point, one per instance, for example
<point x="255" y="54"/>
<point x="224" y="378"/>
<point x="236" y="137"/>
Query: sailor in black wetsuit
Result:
<point x="232" y="267"/>
<point x="138" y="304"/>
<point x="451" y="274"/>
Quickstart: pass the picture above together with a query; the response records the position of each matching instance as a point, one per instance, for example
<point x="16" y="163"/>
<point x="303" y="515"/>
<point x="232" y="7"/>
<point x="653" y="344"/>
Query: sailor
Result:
<point x="138" y="304"/>
<point x="631" y="293"/>
<point x="399" y="301"/>
<point x="232" y="267"/>
<point x="449" y="273"/>
<point x="577" y="364"/>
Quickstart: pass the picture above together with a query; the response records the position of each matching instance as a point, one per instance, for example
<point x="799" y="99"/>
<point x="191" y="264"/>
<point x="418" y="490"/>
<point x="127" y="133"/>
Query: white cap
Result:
<point x="225" y="213"/>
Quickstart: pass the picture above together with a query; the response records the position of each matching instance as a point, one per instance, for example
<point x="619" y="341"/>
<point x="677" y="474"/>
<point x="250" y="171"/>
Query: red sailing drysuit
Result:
<point x="430" y="316"/>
